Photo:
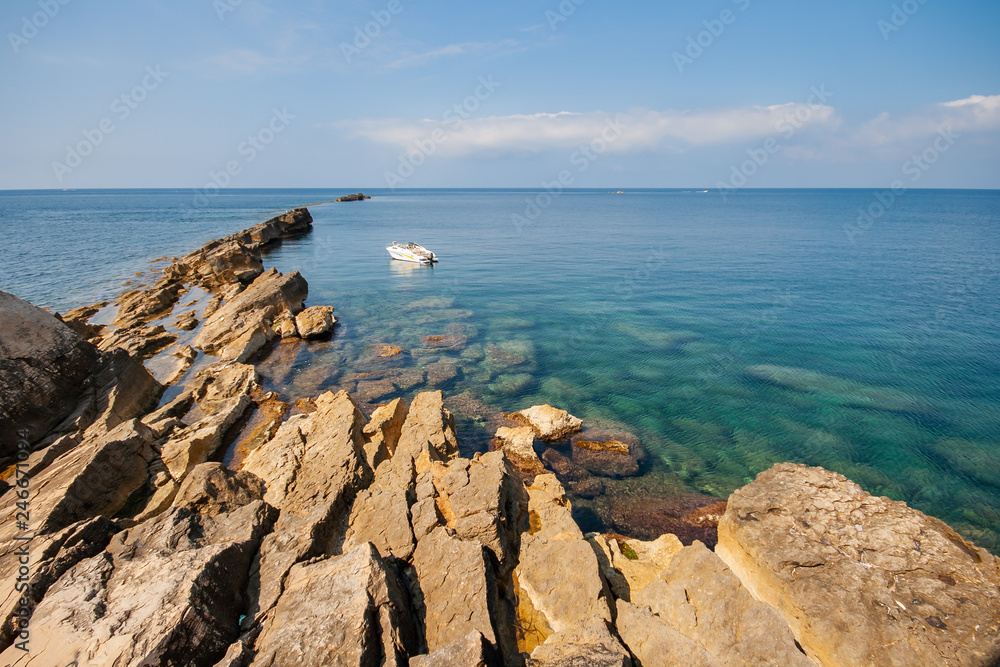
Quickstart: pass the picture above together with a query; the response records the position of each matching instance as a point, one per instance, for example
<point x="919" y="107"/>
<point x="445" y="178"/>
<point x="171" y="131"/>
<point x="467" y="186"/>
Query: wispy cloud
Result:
<point x="822" y="135"/>
<point x="465" y="48"/>
<point x="645" y="129"/>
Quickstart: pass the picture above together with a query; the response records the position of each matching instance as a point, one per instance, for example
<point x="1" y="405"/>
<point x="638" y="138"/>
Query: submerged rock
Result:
<point x="861" y="580"/>
<point x="608" y="453"/>
<point x="844" y="392"/>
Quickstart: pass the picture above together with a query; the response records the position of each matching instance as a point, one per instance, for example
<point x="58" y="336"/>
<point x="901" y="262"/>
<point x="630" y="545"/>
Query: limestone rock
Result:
<point x="382" y="431"/>
<point x="484" y="501"/>
<point x="243" y="325"/>
<point x="44" y="366"/>
<point x="168" y="591"/>
<point x="656" y="644"/>
<point x="472" y="650"/>
<point x="861" y="580"/>
<point x="698" y="597"/>
<point x="347" y="610"/>
<point x="578" y="479"/>
<point x="285" y="327"/>
<point x="457" y="586"/>
<point x="561" y="594"/>
<point x="628" y="565"/>
<point x="315" y="321"/>
<point x="429" y="429"/>
<point x="519" y="446"/>
<point x="312" y="468"/>
<point x="381" y="513"/>
<point x="140" y="306"/>
<point x="216" y="264"/>
<point x="200" y="441"/>
<point x="549" y="423"/>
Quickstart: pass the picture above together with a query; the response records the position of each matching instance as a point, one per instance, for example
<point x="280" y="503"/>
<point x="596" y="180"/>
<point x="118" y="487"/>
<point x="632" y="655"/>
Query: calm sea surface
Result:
<point x="727" y="335"/>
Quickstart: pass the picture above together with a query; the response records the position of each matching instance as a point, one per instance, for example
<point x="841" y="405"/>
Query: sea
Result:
<point x="728" y="333"/>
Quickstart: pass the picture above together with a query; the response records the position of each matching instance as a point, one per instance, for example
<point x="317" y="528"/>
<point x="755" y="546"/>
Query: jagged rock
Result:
<point x="429" y="429"/>
<point x="285" y="327"/>
<point x="348" y="610"/>
<point x="657" y="644"/>
<point x="383" y="430"/>
<point x="140" y="341"/>
<point x="184" y="356"/>
<point x="483" y="500"/>
<point x="44" y="367"/>
<point x="168" y="591"/>
<point x="78" y="320"/>
<point x="356" y="197"/>
<point x="215" y="385"/>
<point x="457" y="585"/>
<point x="588" y="644"/>
<point x="315" y="321"/>
<point x="200" y="441"/>
<point x="472" y="650"/>
<point x="216" y="264"/>
<point x="698" y="597"/>
<point x="387" y="351"/>
<point x="313" y="468"/>
<point x="265" y="421"/>
<point x="140" y="306"/>
<point x="94" y="478"/>
<point x="294" y="222"/>
<point x="861" y="580"/>
<point x="50" y="559"/>
<point x="381" y="513"/>
<point x="628" y="565"/>
<point x="608" y="453"/>
<point x="561" y="594"/>
<point x="549" y="423"/>
<point x="187" y="321"/>
<point x="519" y="446"/>
<point x="243" y="325"/>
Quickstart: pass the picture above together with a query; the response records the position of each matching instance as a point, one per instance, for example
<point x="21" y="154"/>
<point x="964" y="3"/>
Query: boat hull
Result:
<point x="406" y="256"/>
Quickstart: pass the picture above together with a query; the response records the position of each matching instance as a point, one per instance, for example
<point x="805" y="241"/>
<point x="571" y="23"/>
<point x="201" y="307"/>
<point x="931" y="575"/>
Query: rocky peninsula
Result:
<point x="159" y="507"/>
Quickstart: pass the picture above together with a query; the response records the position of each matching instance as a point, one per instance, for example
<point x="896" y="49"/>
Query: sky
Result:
<point x="525" y="93"/>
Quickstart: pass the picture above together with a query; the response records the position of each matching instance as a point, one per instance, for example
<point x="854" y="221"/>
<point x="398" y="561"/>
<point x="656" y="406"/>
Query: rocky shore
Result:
<point x="182" y="515"/>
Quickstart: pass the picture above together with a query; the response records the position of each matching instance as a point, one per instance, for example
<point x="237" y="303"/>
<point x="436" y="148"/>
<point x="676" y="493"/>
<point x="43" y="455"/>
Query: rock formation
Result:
<point x="332" y="539"/>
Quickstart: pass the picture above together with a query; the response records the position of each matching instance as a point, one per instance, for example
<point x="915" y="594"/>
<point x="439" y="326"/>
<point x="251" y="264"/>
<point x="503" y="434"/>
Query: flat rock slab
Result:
<point x="861" y="580"/>
<point x="549" y="423"/>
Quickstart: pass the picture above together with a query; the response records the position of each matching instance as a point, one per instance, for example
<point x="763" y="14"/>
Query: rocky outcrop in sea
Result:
<point x="329" y="537"/>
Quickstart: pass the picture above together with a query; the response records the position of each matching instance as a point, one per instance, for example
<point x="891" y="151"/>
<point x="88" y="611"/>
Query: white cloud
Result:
<point x="644" y="129"/>
<point x="803" y="132"/>
<point x="451" y="50"/>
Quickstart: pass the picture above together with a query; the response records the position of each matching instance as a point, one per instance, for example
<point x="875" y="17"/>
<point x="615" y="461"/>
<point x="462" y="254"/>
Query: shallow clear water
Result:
<point x="728" y="335"/>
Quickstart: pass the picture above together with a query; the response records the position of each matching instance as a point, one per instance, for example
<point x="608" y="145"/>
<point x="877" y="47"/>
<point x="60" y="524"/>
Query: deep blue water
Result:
<point x="667" y="313"/>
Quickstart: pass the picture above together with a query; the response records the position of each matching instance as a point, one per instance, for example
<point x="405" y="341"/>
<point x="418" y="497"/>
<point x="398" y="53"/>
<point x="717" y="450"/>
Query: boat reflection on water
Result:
<point x="408" y="268"/>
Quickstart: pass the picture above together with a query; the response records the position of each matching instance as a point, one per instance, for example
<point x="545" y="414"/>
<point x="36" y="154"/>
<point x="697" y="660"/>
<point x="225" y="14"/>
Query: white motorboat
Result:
<point x="411" y="252"/>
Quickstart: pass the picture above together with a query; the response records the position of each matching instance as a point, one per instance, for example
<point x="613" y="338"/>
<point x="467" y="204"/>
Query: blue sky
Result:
<point x="269" y="93"/>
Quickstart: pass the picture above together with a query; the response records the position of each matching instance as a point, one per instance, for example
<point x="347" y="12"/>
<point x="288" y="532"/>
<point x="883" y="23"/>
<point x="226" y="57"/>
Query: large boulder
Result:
<point x="44" y="367"/>
<point x="243" y="325"/>
<point x="861" y="580"/>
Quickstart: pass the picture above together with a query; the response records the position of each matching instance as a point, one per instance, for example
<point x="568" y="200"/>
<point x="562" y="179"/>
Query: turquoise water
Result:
<point x="728" y="335"/>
